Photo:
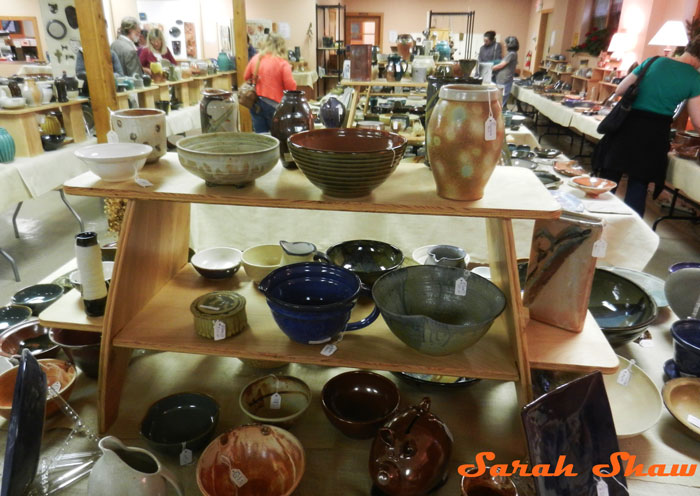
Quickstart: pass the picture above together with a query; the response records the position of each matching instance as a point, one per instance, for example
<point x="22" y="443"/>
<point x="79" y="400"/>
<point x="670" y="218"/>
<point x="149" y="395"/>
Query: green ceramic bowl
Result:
<point x="367" y="258"/>
<point x="13" y="314"/>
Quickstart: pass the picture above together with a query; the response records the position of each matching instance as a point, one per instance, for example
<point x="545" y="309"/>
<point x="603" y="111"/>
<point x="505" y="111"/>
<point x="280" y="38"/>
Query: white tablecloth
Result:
<point x="12" y="189"/>
<point x="586" y="124"/>
<point x="305" y="78"/>
<point x="684" y="175"/>
<point x="183" y="120"/>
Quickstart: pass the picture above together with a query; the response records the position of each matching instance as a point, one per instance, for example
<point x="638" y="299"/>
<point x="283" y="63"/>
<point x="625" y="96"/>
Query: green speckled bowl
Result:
<point x="235" y="159"/>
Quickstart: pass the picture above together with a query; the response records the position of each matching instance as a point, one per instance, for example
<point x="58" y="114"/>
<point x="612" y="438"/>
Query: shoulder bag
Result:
<point x="246" y="93"/>
<point x="613" y="121"/>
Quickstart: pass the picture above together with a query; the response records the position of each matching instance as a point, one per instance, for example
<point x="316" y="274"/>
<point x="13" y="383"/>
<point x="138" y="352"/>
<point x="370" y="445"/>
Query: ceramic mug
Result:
<point x="141" y="125"/>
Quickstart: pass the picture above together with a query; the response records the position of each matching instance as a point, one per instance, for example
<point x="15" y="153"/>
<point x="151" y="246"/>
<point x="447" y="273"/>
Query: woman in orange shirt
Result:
<point x="274" y="76"/>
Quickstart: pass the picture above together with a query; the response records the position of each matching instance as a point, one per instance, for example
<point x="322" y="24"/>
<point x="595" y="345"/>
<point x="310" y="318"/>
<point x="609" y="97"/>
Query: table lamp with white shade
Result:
<point x="672" y="34"/>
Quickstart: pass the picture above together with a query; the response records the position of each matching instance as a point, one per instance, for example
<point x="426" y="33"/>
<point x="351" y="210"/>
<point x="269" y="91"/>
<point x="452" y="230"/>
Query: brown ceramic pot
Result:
<point x="461" y="158"/>
<point x="404" y="45"/>
<point x="487" y="485"/>
<point x="410" y="454"/>
<point x="292" y="116"/>
<point x="360" y="62"/>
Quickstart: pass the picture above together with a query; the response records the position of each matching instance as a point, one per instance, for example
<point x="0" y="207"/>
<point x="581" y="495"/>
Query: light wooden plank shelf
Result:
<point x="166" y="324"/>
<point x="69" y="313"/>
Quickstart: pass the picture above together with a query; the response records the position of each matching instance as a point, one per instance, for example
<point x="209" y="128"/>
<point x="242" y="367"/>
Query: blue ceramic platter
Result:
<point x="26" y="427"/>
<point x="13" y="314"/>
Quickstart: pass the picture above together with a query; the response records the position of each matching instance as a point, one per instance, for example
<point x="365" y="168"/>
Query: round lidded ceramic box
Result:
<point x="213" y="309"/>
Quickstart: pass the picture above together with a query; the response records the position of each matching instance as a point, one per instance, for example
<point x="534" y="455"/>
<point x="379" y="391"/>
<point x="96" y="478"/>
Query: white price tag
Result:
<point x="275" y="401"/>
<point x="490" y="129"/>
<point x="54" y="389"/>
<point x="238" y="478"/>
<point x="601" y="488"/>
<point x="144" y="183"/>
<point x="185" y="457"/>
<point x="329" y="349"/>
<point x="112" y="137"/>
<point x="600" y="247"/>
<point x="461" y="287"/>
<point x="694" y="420"/>
<point x="646" y="343"/>
<point x="219" y="330"/>
<point x="623" y="378"/>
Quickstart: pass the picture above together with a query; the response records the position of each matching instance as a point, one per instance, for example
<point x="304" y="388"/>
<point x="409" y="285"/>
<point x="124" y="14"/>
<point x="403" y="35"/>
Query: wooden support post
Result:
<point x="98" y="63"/>
<point x="240" y="35"/>
<point x="73" y="122"/>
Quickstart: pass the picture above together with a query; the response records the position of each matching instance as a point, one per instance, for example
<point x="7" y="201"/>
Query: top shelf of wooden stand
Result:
<point x="384" y="82"/>
<point x="43" y="107"/>
<point x="512" y="192"/>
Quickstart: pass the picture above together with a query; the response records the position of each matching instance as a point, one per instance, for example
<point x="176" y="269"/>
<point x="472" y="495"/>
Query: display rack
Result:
<point x="330" y="58"/>
<point x="152" y="286"/>
<point x="364" y="88"/>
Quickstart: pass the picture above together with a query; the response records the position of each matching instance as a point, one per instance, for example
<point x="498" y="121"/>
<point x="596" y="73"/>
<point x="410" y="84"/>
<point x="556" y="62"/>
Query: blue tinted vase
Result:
<point x="7" y="146"/>
<point x="332" y="112"/>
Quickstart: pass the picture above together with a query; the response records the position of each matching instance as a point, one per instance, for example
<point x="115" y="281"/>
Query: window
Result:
<point x="606" y="14"/>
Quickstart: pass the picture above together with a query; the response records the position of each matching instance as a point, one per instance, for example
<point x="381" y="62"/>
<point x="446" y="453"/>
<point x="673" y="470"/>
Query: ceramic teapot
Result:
<point x="395" y="68"/>
<point x="127" y="470"/>
<point x="410" y="454"/>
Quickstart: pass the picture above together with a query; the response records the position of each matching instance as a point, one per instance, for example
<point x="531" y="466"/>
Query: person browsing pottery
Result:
<point x="639" y="148"/>
<point x="490" y="51"/>
<point x="504" y="71"/>
<point x="125" y="46"/>
<point x="155" y="50"/>
<point x="272" y="75"/>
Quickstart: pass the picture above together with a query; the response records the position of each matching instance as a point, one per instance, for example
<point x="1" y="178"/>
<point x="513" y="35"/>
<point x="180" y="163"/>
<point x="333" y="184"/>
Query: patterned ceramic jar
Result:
<point x="142" y="125"/>
<point x="462" y="154"/>
<point x="216" y="111"/>
<point x="7" y="146"/>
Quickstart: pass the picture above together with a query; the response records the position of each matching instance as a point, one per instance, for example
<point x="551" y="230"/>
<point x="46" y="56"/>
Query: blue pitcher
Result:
<point x="395" y="67"/>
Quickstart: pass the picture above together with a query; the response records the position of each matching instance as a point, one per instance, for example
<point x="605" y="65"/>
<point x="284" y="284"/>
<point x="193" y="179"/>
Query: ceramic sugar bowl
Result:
<point x="410" y="454"/>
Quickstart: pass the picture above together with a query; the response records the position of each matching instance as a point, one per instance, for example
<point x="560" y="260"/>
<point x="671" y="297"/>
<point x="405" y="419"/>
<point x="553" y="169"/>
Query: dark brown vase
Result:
<point x="292" y="116"/>
<point x="360" y="62"/>
<point x="410" y="454"/>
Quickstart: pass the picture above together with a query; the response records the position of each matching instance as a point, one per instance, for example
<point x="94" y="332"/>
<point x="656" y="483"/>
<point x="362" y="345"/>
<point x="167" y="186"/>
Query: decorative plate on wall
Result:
<point x="174" y="31"/>
<point x="56" y="29"/>
<point x="72" y="17"/>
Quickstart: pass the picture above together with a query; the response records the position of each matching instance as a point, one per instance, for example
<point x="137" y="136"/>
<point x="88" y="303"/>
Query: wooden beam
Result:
<point x="98" y="63"/>
<point x="240" y="37"/>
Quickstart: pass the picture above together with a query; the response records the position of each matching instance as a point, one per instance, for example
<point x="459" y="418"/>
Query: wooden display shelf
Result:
<point x="384" y="82"/>
<point x="146" y="97"/>
<point x="69" y="313"/>
<point x="582" y="78"/>
<point x="165" y="324"/>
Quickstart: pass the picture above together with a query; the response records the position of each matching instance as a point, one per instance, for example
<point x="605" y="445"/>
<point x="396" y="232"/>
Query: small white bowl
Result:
<point x="421" y="254"/>
<point x="217" y="263"/>
<point x="115" y="162"/>
<point x="13" y="102"/>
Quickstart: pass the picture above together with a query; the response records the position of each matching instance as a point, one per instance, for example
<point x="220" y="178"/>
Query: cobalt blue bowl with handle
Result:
<point x="311" y="301"/>
<point x="686" y="346"/>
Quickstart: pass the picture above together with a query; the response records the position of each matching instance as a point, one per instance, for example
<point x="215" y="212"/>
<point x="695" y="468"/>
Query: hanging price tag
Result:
<point x="692" y="419"/>
<point x="490" y="129"/>
<point x="461" y="287"/>
<point x="329" y="349"/>
<point x="219" y="330"/>
<point x="54" y="389"/>
<point x="601" y="488"/>
<point x="275" y="401"/>
<point x="238" y="478"/>
<point x="144" y="183"/>
<point x="623" y="377"/>
<point x="112" y="137"/>
<point x="600" y="247"/>
<point x="185" y="457"/>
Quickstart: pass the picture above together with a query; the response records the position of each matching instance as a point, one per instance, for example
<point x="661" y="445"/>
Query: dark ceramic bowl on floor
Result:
<point x="368" y="259"/>
<point x="51" y="142"/>
<point x="38" y="296"/>
<point x="81" y="347"/>
<point x="421" y="301"/>
<point x="11" y="315"/>
<point x="188" y="418"/>
<point x="686" y="346"/>
<point x="358" y="403"/>
<point x="622" y="309"/>
<point x="27" y="335"/>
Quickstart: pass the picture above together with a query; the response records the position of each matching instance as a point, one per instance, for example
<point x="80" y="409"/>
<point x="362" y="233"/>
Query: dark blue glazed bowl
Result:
<point x="686" y="346"/>
<point x="311" y="301"/>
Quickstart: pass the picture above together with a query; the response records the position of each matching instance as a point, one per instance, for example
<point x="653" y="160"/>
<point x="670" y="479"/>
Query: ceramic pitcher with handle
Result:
<point x="128" y="470"/>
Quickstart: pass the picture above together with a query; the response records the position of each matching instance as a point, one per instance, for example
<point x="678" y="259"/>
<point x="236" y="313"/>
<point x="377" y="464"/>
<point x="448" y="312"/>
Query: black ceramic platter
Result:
<point x="56" y="29"/>
<point x="438" y="381"/>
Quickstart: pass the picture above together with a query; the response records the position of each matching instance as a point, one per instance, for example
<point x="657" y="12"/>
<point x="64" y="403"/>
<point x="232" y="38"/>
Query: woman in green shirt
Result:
<point x="640" y="147"/>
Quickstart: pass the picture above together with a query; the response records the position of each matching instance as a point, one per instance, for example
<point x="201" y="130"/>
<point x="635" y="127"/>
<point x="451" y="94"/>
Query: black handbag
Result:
<point x="613" y="121"/>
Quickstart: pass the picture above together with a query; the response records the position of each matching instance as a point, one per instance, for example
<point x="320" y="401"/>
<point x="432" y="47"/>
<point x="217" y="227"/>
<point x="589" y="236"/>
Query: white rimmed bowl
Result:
<point x="114" y="162"/>
<point x="217" y="263"/>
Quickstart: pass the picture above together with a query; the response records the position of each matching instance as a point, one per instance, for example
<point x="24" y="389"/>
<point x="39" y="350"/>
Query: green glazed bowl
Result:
<point x="367" y="258"/>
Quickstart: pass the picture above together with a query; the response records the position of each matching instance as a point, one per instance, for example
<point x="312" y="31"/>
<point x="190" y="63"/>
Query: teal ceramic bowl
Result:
<point x="38" y="297"/>
<point x="367" y="258"/>
<point x="13" y="314"/>
<point x="422" y="308"/>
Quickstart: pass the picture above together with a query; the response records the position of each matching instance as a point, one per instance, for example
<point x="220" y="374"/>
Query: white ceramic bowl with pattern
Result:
<point x="142" y="125"/>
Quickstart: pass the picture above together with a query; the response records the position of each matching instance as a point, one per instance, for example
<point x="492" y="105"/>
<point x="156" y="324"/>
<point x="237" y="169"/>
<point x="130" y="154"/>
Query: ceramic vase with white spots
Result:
<point x="142" y="125"/>
<point x="462" y="159"/>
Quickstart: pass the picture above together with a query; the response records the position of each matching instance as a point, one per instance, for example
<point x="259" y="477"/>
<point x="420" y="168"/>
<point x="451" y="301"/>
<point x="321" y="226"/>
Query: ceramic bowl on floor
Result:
<point x="593" y="186"/>
<point x="324" y="154"/>
<point x="81" y="347"/>
<point x="57" y="371"/>
<point x="636" y="406"/>
<point x="258" y="261"/>
<point x="114" y="162"/>
<point x="237" y="159"/>
<point x="422" y="301"/>
<point x="11" y="315"/>
<point x="686" y="346"/>
<point x="74" y="277"/>
<point x="27" y="335"/>
<point x="217" y="263"/>
<point x="179" y="421"/>
<point x="368" y="259"/>
<point x="622" y="309"/>
<point x="256" y="397"/>
<point x="358" y="403"/>
<point x="271" y="459"/>
<point x="38" y="297"/>
<point x="420" y="255"/>
<point x="682" y="399"/>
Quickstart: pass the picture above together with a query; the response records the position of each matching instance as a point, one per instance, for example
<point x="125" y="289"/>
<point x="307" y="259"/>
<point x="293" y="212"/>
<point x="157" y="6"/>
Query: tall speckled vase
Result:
<point x="7" y="146"/>
<point x="462" y="155"/>
<point x="293" y="115"/>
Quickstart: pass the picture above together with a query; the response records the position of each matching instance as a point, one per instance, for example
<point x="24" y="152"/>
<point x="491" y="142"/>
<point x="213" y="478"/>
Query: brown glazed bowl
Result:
<point x="271" y="459"/>
<point x="256" y="397"/>
<point x="30" y="335"/>
<point x="82" y="348"/>
<point x="487" y="485"/>
<point x="358" y="403"/>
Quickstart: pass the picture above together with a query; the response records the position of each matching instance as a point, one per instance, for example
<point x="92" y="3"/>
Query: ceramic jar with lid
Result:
<point x="292" y="116"/>
<point x="216" y="111"/>
<point x="462" y="153"/>
<point x="404" y="45"/>
<point x="411" y="453"/>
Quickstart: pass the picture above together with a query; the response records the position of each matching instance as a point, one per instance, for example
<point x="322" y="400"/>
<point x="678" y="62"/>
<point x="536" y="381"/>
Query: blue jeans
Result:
<point x="506" y="91"/>
<point x="262" y="113"/>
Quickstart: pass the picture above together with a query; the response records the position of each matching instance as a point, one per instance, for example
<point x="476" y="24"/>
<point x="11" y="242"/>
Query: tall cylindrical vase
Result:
<point x="7" y="146"/>
<point x="92" y="280"/>
<point x="464" y="148"/>
<point x="293" y="115"/>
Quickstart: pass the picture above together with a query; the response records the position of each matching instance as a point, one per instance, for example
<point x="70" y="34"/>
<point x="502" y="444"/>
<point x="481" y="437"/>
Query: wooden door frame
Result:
<point x="40" y="50"/>
<point x="380" y="15"/>
<point x="541" y="35"/>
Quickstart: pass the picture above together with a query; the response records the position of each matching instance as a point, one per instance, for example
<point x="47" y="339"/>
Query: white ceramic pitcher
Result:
<point x="128" y="470"/>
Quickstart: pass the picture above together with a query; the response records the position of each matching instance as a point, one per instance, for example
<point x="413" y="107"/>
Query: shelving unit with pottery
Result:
<point x="364" y="88"/>
<point x="601" y="84"/>
<point x="23" y="125"/>
<point x="153" y="285"/>
<point x="553" y="67"/>
<point x="146" y="97"/>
